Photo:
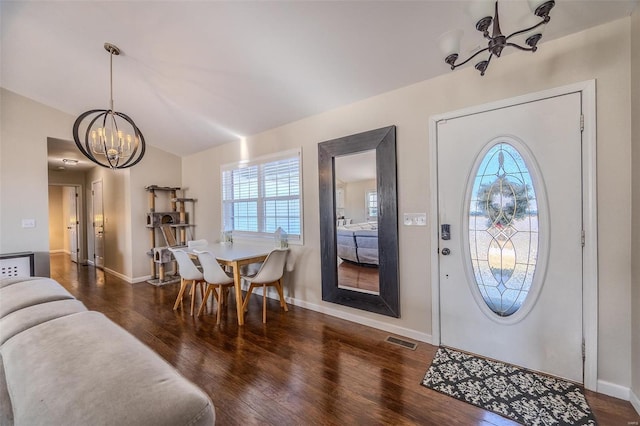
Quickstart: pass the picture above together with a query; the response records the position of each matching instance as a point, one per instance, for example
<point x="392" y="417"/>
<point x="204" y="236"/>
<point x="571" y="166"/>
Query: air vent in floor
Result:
<point x="400" y="342"/>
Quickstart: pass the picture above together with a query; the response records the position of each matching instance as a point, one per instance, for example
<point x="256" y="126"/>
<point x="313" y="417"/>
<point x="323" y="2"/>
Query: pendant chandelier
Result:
<point x="109" y="138"/>
<point x="450" y="42"/>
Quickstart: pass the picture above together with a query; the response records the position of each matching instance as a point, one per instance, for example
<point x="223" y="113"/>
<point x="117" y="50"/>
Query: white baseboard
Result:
<point x="401" y="331"/>
<point x="126" y="278"/>
<point x="117" y="274"/>
<point x="635" y="401"/>
<point x="614" y="390"/>
<point x="57" y="251"/>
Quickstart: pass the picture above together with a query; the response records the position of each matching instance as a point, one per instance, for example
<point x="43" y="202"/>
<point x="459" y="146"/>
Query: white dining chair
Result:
<point x="189" y="273"/>
<point x="214" y="276"/>
<point x="192" y="244"/>
<point x="269" y="275"/>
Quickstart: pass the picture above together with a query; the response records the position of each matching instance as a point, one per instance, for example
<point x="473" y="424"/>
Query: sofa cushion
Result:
<point x="4" y="282"/>
<point x="6" y="411"/>
<point x="87" y="370"/>
<point x="31" y="316"/>
<point x="29" y="293"/>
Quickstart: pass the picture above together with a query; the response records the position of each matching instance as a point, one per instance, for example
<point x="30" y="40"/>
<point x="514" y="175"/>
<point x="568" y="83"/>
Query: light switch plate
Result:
<point x="28" y="223"/>
<point x="415" y="219"/>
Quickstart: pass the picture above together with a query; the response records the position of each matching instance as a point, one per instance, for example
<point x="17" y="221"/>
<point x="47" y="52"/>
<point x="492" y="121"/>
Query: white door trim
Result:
<point x="81" y="218"/>
<point x="589" y="208"/>
<point x="93" y="227"/>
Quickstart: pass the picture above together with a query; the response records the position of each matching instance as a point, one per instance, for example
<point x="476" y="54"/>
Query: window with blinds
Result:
<point x="261" y="195"/>
<point x="372" y="205"/>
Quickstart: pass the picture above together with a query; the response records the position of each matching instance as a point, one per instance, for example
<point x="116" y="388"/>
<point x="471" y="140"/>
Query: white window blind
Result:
<point x="262" y="195"/>
<point x="372" y="205"/>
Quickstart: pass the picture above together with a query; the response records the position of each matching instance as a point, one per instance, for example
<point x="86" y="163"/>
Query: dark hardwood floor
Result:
<point x="301" y="368"/>
<point x="359" y="277"/>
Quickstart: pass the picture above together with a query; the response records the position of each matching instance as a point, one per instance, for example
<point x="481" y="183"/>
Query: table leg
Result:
<point x="237" y="281"/>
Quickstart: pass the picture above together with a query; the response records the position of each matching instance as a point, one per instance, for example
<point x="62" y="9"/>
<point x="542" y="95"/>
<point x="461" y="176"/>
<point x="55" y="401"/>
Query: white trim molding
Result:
<point x="401" y="331"/>
<point x="144" y="278"/>
<point x="635" y="401"/>
<point x="587" y="89"/>
<point x="614" y="390"/>
<point x="117" y="274"/>
<point x="126" y="278"/>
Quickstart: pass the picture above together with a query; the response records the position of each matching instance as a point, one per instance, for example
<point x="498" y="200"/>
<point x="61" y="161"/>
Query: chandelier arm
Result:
<point x="76" y="127"/>
<point x="486" y="65"/>
<point x="471" y="57"/>
<point x="139" y="137"/>
<point x="544" y="21"/>
<point x="520" y="47"/>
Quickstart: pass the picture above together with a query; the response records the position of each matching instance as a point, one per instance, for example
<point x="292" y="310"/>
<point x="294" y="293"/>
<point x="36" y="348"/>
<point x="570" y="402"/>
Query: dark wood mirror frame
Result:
<point x="384" y="142"/>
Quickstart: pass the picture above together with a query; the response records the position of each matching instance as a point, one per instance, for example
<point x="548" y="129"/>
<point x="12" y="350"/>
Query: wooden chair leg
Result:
<point x="202" y="286"/>
<point x="283" y="302"/>
<point x="246" y="299"/>
<point x="205" y="297"/>
<point x="264" y="303"/>
<point x="193" y="296"/>
<point x="220" y="304"/>
<point x="183" y="286"/>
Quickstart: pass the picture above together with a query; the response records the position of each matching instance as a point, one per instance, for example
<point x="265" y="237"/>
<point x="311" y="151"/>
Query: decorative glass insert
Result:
<point x="503" y="229"/>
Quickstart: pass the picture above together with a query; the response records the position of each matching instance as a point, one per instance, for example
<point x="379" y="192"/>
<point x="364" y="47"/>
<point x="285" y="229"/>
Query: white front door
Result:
<point x="98" y="223"/>
<point x="510" y="189"/>
<point x="71" y="195"/>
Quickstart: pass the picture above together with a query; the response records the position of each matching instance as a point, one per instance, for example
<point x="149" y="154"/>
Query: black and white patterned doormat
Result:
<point x="529" y="398"/>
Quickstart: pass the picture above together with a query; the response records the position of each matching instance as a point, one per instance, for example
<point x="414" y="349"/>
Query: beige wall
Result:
<point x="635" y="161"/>
<point x="24" y="128"/>
<point x="56" y="223"/>
<point x="601" y="53"/>
<point x="354" y="199"/>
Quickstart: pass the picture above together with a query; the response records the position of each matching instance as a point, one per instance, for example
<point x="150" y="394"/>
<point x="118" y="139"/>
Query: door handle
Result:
<point x="445" y="251"/>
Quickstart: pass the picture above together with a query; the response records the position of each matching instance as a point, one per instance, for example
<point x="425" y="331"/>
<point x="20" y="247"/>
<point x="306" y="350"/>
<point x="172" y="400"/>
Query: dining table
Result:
<point x="235" y="255"/>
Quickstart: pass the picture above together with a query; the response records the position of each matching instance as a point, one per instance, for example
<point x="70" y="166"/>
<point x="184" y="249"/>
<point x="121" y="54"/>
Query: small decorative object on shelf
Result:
<point x="281" y="238"/>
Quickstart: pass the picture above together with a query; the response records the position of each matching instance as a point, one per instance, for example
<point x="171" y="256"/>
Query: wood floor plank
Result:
<point x="300" y="368"/>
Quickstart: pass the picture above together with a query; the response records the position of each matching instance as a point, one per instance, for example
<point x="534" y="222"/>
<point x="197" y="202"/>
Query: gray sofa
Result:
<point x="358" y="245"/>
<point x="61" y="364"/>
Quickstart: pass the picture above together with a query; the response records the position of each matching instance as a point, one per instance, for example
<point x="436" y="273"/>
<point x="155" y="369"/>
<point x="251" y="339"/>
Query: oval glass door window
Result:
<point x="503" y="229"/>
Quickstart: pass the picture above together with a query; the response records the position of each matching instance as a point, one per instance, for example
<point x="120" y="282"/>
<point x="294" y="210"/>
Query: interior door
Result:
<point x="510" y="248"/>
<point x="98" y="223"/>
<point x="71" y="194"/>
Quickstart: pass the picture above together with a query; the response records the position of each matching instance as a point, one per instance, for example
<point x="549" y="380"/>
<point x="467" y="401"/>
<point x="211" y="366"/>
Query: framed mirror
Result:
<point x="359" y="221"/>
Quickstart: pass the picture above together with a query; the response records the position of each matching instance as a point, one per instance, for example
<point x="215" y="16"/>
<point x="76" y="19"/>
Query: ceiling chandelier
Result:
<point x="450" y="42"/>
<point x="109" y="138"/>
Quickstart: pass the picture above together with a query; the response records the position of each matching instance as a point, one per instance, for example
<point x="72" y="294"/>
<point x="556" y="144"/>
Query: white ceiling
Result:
<point x="196" y="74"/>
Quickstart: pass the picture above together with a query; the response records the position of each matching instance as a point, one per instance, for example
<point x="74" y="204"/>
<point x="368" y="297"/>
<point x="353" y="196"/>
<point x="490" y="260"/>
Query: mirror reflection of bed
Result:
<point x="357" y="222"/>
